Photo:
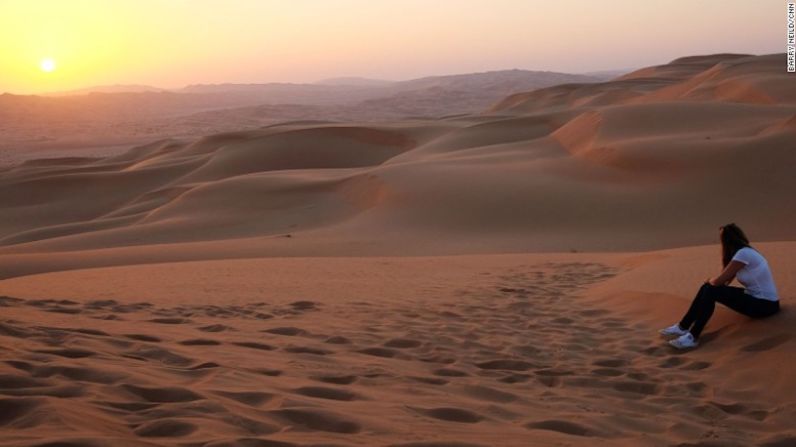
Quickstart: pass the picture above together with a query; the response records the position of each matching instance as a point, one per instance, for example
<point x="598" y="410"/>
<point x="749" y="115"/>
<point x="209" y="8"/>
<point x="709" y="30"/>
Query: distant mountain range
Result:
<point x="281" y="91"/>
<point x="609" y="74"/>
<point x="120" y="114"/>
<point x="130" y="88"/>
<point x="473" y="91"/>
<point x="355" y="81"/>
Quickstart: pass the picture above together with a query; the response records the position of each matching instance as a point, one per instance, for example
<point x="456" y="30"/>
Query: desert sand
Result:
<point x="493" y="279"/>
<point x="471" y="350"/>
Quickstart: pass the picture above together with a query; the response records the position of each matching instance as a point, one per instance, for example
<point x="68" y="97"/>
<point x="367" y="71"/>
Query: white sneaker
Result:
<point x="685" y="341"/>
<point x="673" y="331"/>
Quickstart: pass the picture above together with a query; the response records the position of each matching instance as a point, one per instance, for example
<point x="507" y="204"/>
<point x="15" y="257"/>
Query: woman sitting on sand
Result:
<point x="759" y="299"/>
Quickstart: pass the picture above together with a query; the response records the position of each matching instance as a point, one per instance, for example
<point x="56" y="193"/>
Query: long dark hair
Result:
<point x="732" y="240"/>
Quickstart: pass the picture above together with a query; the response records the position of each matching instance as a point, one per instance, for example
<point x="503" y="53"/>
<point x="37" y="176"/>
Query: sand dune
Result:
<point x="476" y="350"/>
<point x="494" y="279"/>
<point x="720" y="77"/>
<point x="670" y="152"/>
<point x="106" y="120"/>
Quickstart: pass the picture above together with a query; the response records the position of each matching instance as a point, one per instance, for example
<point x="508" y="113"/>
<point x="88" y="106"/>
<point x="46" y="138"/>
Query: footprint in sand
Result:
<point x="430" y="380"/>
<point x="131" y="407"/>
<point x="173" y="320"/>
<point x="143" y="337"/>
<point x="303" y="305"/>
<point x="489" y="394"/>
<point x="566" y="427"/>
<point x="286" y="331"/>
<point x="215" y="328"/>
<point x="451" y="414"/>
<point x="508" y="365"/>
<point x="12" y="382"/>
<point x="72" y="353"/>
<point x="696" y="366"/>
<point x="553" y="372"/>
<point x="767" y="343"/>
<point x="158" y="354"/>
<point x="87" y="331"/>
<point x="549" y="381"/>
<point x="438" y="358"/>
<point x="563" y="320"/>
<point x="402" y="343"/>
<point x="315" y="419"/>
<point x="450" y="372"/>
<point x="338" y="340"/>
<point x="78" y="373"/>
<point x="129" y="308"/>
<point x="64" y="310"/>
<point x="645" y="388"/>
<point x="250" y="398"/>
<point x="100" y="304"/>
<point x="50" y="303"/>
<point x="12" y="409"/>
<point x="607" y="372"/>
<point x="254" y="345"/>
<point x="205" y="365"/>
<point x="166" y="428"/>
<point x="13" y="331"/>
<point x="307" y="350"/>
<point x="658" y="351"/>
<point x="379" y="352"/>
<point x="697" y="388"/>
<point x="516" y="378"/>
<point x="7" y="301"/>
<point x="327" y="393"/>
<point x="21" y="365"/>
<point x="671" y="362"/>
<point x="200" y="342"/>
<point x="610" y="363"/>
<point x="339" y="380"/>
<point x="162" y="394"/>
<point x="268" y="372"/>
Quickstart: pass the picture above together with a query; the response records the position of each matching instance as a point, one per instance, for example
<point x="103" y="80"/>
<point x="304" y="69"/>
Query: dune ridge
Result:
<point x="110" y="119"/>
<point x="630" y="164"/>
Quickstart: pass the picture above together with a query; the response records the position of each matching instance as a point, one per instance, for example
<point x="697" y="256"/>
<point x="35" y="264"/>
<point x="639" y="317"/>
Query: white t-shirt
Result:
<point x="755" y="275"/>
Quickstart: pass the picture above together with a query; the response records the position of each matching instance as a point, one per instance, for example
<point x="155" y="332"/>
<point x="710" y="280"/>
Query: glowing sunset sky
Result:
<point x="174" y="43"/>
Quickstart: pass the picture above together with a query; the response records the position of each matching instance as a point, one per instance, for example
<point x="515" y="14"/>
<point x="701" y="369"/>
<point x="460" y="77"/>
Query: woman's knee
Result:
<point x="704" y="290"/>
<point x="705" y="294"/>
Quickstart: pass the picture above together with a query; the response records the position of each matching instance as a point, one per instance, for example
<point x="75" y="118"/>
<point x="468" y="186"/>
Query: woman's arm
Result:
<point x="727" y="275"/>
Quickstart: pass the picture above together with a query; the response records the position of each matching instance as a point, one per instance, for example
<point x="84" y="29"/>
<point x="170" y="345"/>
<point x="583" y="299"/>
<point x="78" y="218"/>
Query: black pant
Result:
<point x="733" y="297"/>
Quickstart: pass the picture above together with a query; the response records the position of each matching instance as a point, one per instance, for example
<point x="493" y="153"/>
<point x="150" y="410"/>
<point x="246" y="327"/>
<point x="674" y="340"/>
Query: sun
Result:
<point x="47" y="65"/>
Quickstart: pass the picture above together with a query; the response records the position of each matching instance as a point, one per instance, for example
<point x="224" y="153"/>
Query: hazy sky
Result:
<point x="174" y="43"/>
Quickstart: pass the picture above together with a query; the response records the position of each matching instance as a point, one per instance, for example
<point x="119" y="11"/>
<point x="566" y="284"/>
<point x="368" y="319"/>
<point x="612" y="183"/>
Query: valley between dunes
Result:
<point x="494" y="279"/>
